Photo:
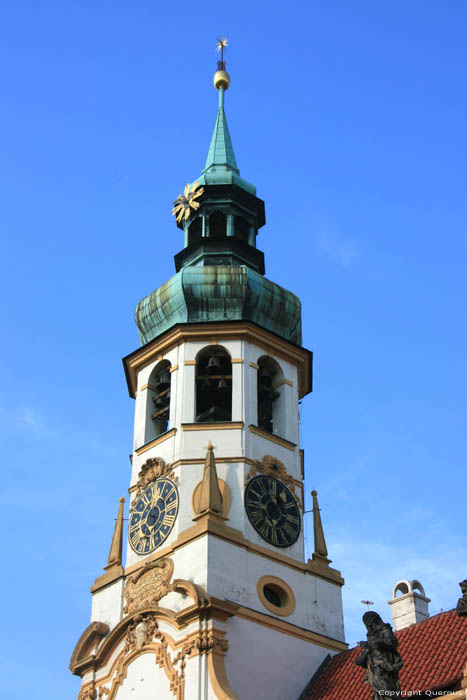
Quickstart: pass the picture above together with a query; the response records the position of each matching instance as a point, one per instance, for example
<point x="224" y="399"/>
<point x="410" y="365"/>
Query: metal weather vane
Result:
<point x="186" y="202"/>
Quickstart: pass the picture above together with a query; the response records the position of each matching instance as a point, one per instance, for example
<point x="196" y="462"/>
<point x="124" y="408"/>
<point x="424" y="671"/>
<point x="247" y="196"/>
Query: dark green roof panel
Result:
<point x="209" y="294"/>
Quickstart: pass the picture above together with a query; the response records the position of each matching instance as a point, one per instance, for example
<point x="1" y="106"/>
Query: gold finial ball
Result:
<point x="221" y="79"/>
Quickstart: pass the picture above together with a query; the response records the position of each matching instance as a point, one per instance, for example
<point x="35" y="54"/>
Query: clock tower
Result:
<point x="214" y="598"/>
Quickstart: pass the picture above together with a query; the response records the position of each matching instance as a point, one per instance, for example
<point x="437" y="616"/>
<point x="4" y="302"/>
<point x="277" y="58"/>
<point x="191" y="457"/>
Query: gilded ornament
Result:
<point x="148" y="585"/>
<point x="187" y="201"/>
<point x="88" y="644"/>
<point x="221" y="77"/>
<point x="222" y="43"/>
<point x="273" y="467"/>
<point x="87" y="693"/>
<point x="152" y="469"/>
<point x="208" y="641"/>
<point x="143" y="631"/>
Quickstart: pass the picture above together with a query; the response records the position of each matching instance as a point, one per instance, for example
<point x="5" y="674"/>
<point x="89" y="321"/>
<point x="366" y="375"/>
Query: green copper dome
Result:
<point x="198" y="294"/>
<point x="220" y="270"/>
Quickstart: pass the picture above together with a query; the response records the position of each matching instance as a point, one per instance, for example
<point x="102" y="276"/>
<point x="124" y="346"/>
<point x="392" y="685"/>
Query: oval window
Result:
<point x="276" y="595"/>
<point x="272" y="594"/>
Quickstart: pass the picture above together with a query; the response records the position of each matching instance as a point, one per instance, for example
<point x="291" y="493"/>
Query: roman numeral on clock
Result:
<point x="168" y="520"/>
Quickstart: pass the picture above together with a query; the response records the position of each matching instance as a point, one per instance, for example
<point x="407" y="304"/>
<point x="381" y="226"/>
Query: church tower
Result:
<point x="215" y="600"/>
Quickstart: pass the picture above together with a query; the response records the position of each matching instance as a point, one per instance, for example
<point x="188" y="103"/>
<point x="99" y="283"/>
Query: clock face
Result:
<point x="153" y="516"/>
<point x="272" y="510"/>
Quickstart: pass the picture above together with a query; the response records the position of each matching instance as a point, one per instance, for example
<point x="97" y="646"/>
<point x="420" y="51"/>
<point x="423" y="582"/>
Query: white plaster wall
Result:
<point x="147" y="681"/>
<point x="227" y="443"/>
<point x="233" y="474"/>
<point x="188" y="404"/>
<point x="271" y="665"/>
<point x="191" y="562"/>
<point x="233" y="574"/>
<point x="325" y="614"/>
<point x="107" y="604"/>
<point x="258" y="446"/>
<point x="144" y="681"/>
<point x="250" y="395"/>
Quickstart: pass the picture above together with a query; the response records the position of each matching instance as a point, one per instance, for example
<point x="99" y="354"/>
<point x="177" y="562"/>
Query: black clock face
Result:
<point x="272" y="510"/>
<point x="153" y="516"/>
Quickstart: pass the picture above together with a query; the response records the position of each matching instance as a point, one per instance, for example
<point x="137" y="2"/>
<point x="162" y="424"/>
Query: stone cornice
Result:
<point x="226" y="330"/>
<point x="203" y="527"/>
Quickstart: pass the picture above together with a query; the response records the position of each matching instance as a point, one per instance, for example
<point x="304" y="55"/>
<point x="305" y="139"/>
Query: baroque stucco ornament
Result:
<point x="143" y="631"/>
<point x="153" y="468"/>
<point x="273" y="467"/>
<point x="148" y="585"/>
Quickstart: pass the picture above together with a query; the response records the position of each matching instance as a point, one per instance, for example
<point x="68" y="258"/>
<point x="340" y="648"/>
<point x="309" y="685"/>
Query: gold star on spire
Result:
<point x="222" y="43"/>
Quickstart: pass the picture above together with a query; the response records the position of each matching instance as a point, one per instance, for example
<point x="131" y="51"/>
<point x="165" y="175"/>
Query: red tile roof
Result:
<point x="434" y="654"/>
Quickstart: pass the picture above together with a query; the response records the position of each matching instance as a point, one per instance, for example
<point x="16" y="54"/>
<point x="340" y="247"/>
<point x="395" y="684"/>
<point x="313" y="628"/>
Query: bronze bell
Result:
<point x="222" y="386"/>
<point x="162" y="401"/>
<point x="264" y="375"/>
<point x="163" y="378"/>
<point x="206" y="384"/>
<point x="213" y="363"/>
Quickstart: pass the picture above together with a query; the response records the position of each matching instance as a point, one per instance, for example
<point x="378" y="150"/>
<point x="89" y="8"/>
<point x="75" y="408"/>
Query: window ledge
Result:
<point x="274" y="438"/>
<point x="224" y="425"/>
<point x="152" y="443"/>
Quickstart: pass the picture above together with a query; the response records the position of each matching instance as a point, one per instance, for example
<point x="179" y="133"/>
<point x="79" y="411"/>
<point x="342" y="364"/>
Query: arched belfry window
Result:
<point x="159" y="386"/>
<point x="269" y="374"/>
<point x="242" y="228"/>
<point x="195" y="231"/>
<point x="217" y="225"/>
<point x="213" y="385"/>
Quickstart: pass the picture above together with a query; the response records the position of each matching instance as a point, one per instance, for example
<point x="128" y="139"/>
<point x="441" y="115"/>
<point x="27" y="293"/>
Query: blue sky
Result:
<point x="350" y="119"/>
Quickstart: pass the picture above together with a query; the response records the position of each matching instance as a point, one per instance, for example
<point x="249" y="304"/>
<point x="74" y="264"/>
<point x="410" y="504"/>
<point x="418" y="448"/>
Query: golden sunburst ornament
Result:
<point x="186" y="201"/>
<point x="222" y="42"/>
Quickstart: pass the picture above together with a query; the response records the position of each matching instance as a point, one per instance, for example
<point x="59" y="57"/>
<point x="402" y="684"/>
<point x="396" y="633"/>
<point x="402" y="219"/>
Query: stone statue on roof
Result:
<point x="461" y="608"/>
<point x="380" y="657"/>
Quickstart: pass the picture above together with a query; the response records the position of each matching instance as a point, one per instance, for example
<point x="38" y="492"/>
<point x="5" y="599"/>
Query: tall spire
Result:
<point x="115" y="553"/>
<point x="221" y="153"/>
<point x="320" y="543"/>
<point x="221" y="165"/>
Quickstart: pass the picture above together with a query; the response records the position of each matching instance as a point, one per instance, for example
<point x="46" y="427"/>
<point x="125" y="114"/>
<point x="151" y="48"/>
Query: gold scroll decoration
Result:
<point x="272" y="467"/>
<point x="148" y="585"/>
<point x="153" y="468"/>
